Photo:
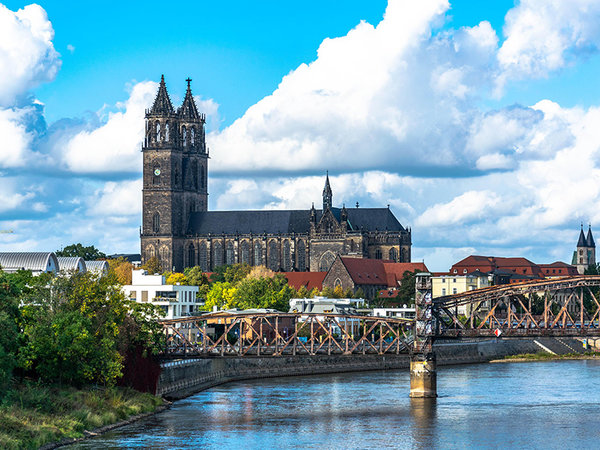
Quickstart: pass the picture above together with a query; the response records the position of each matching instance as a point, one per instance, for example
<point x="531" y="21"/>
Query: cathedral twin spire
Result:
<point x="163" y="106"/>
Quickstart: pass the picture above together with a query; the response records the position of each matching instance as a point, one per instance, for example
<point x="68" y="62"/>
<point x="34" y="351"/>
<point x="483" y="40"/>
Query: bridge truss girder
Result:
<point x="263" y="335"/>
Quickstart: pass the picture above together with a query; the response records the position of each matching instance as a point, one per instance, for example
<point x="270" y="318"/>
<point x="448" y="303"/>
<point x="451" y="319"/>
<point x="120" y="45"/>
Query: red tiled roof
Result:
<point x="309" y="280"/>
<point x="378" y="271"/>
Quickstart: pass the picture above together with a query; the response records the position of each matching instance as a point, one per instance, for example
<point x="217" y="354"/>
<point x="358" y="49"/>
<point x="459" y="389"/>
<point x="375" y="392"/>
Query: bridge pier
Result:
<point x="423" y="376"/>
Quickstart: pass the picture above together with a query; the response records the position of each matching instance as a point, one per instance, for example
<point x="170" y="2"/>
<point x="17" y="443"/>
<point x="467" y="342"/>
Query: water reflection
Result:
<point x="533" y="405"/>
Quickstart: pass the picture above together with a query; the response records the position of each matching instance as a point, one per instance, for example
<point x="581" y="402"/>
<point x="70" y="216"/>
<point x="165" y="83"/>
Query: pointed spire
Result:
<point x="188" y="109"/>
<point x="590" y="239"/>
<point x="162" y="103"/>
<point x="327" y="194"/>
<point x="344" y="213"/>
<point x="582" y="242"/>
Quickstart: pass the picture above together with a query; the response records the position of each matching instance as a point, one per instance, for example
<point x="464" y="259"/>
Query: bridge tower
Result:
<point x="423" y="374"/>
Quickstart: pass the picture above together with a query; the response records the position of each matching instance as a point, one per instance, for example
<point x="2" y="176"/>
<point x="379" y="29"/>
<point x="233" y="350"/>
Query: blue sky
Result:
<point x="474" y="120"/>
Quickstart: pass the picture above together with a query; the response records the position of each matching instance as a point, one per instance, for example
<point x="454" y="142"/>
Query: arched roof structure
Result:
<point x="71" y="263"/>
<point x="37" y="262"/>
<point x="97" y="267"/>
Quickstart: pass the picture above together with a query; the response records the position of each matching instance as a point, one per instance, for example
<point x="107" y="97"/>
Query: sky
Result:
<point x="477" y="122"/>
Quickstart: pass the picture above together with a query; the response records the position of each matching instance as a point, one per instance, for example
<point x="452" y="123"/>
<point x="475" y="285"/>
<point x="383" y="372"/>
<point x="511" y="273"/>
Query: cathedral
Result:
<point x="178" y="228"/>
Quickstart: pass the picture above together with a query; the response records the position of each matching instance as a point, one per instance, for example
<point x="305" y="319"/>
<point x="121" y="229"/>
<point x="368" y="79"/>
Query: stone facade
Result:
<point x="179" y="230"/>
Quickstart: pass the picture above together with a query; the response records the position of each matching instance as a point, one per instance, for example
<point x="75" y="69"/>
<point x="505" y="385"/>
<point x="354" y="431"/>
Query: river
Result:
<point x="549" y="405"/>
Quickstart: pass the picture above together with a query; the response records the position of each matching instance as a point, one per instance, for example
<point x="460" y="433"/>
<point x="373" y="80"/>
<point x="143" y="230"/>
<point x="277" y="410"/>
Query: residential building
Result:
<point x="175" y="300"/>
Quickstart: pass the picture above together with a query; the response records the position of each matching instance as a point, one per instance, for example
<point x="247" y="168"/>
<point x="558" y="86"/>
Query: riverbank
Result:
<point x="544" y="356"/>
<point x="33" y="415"/>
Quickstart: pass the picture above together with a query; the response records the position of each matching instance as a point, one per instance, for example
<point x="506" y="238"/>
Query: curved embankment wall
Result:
<point x="182" y="378"/>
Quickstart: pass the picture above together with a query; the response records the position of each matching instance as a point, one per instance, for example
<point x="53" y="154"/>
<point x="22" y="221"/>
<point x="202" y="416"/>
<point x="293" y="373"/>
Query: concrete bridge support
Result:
<point x="423" y="376"/>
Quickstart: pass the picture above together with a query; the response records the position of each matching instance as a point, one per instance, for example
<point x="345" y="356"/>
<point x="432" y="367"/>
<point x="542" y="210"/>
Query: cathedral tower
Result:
<point x="585" y="255"/>
<point x="174" y="176"/>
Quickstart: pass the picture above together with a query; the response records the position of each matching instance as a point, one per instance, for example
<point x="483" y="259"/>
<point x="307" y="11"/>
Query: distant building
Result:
<point x="178" y="229"/>
<point x="585" y="254"/>
<point x="370" y="275"/>
<point x="72" y="264"/>
<point x="324" y="305"/>
<point x="308" y="280"/>
<point x="448" y="284"/>
<point x="558" y="269"/>
<point x="396" y="313"/>
<point x="37" y="262"/>
<point x="175" y="300"/>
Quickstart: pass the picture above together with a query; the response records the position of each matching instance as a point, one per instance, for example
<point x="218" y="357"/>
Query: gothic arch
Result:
<point x="184" y="135"/>
<point x="150" y="251"/>
<point x="203" y="257"/>
<point x="192" y="136"/>
<point x="217" y="254"/>
<point x="326" y="261"/>
<point x="245" y="252"/>
<point x="164" y="253"/>
<point x="286" y="257"/>
<point x="257" y="254"/>
<point x="394" y="254"/>
<point x="337" y="283"/>
<point x="378" y="254"/>
<point x="301" y="255"/>
<point x="230" y="253"/>
<point x="167" y="137"/>
<point x="191" y="256"/>
<point x="157" y="128"/>
<point x="273" y="255"/>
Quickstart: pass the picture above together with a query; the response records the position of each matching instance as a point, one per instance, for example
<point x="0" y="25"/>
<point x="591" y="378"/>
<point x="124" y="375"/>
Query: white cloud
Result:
<point x="117" y="199"/>
<point x="115" y="146"/>
<point x="545" y="35"/>
<point x="15" y="141"/>
<point x="469" y="206"/>
<point x="27" y="55"/>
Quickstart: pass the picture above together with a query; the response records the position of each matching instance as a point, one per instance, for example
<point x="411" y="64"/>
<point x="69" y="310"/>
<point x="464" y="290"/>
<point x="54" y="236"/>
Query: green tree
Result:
<point x="10" y="290"/>
<point x="406" y="291"/>
<point x="222" y="295"/>
<point x="90" y="253"/>
<point x="327" y="292"/>
<point x="303" y="292"/>
<point x="177" y="277"/>
<point x="359" y="293"/>
<point x="152" y="266"/>
<point x="272" y="293"/>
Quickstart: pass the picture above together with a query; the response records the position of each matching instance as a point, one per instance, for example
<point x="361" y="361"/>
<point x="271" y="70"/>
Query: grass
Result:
<point x="547" y="356"/>
<point x="32" y="415"/>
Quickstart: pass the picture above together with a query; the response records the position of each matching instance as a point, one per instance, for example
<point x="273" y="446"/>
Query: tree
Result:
<point x="152" y="266"/>
<point x="338" y="292"/>
<point x="10" y="289"/>
<point x="121" y="268"/>
<point x="406" y="291"/>
<point x="327" y="292"/>
<point x="177" y="278"/>
<point x="271" y="293"/>
<point x="302" y="292"/>
<point x="90" y="253"/>
<point x="222" y="295"/>
<point x="261" y="272"/>
<point x="359" y="293"/>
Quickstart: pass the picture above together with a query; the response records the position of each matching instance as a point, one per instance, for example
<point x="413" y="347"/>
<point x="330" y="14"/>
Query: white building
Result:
<point x="176" y="300"/>
<point x="397" y="313"/>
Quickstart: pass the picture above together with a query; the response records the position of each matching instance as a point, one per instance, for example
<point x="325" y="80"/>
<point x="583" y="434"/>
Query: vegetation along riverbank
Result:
<point x="544" y="356"/>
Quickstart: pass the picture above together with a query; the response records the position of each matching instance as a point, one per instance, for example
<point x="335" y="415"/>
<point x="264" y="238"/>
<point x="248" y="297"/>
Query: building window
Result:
<point x="454" y="280"/>
<point x="157" y="131"/>
<point x="273" y="255"/>
<point x="257" y="254"/>
<point x="230" y="254"/>
<point x="443" y="280"/>
<point x="394" y="254"/>
<point x="454" y="290"/>
<point x="326" y="261"/>
<point x="217" y="258"/>
<point x="245" y="252"/>
<point x="203" y="257"/>
<point x="443" y="291"/>
<point x="301" y="255"/>
<point x="464" y="270"/>
<point x="191" y="256"/>
<point x="164" y="257"/>
<point x="287" y="260"/>
<point x="378" y="254"/>
<point x="156" y="222"/>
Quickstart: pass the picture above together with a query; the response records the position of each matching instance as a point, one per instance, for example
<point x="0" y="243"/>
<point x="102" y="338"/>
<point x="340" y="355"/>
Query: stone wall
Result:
<point x="182" y="378"/>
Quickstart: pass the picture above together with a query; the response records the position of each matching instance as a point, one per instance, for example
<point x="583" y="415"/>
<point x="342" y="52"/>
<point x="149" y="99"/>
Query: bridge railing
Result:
<point x="560" y="307"/>
<point x="280" y="334"/>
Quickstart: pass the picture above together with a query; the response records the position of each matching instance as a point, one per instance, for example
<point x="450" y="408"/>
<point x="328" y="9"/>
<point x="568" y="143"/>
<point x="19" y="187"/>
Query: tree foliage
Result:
<point x="89" y="253"/>
<point x="152" y="266"/>
<point x="121" y="269"/>
<point x="175" y="278"/>
<point x="9" y="331"/>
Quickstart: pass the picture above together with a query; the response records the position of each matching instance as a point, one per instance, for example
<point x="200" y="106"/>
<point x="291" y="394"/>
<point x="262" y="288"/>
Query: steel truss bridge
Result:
<point x="557" y="307"/>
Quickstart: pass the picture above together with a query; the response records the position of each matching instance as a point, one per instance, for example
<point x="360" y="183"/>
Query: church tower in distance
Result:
<point x="174" y="176"/>
<point x="585" y="255"/>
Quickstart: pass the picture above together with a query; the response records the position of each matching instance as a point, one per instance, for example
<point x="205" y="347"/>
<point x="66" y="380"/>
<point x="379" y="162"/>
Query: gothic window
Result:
<point x="286" y="263"/>
<point x="257" y="254"/>
<point x="217" y="254"/>
<point x="203" y="257"/>
<point x="194" y="175"/>
<point x="191" y="256"/>
<point x="273" y="256"/>
<point x="192" y="135"/>
<point x="156" y="222"/>
<point x="326" y="261"/>
<point x="164" y="257"/>
<point x="378" y="254"/>
<point x="167" y="131"/>
<point x="404" y="255"/>
<point x="245" y="252"/>
<point x="201" y="176"/>
<point x="337" y="283"/>
<point x="184" y="134"/>
<point x="230" y="254"/>
<point x="301" y="255"/>
<point x="157" y="131"/>
<point x="150" y="252"/>
<point x="394" y="254"/>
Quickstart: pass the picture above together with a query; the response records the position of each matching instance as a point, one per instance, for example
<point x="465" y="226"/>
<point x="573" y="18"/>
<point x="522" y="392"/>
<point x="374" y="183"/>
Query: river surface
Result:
<point x="549" y="405"/>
